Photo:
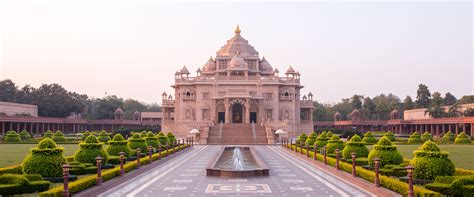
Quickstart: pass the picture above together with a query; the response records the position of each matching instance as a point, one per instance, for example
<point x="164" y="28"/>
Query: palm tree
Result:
<point x="454" y="111"/>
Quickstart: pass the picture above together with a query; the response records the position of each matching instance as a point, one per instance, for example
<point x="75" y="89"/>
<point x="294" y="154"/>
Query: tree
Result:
<point x="466" y="99"/>
<point x="435" y="109"/>
<point x="322" y="112"/>
<point x="423" y="96"/>
<point x="454" y="110"/>
<point x="449" y="99"/>
<point x="469" y="112"/>
<point x="369" y="107"/>
<point x="408" y="103"/>
<point x="8" y="91"/>
<point x="356" y="102"/>
<point x="55" y="101"/>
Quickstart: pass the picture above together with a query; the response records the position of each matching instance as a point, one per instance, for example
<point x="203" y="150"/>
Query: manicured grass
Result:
<point x="461" y="155"/>
<point x="13" y="154"/>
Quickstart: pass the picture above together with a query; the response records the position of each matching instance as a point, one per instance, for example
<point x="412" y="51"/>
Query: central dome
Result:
<point x="237" y="62"/>
<point x="237" y="43"/>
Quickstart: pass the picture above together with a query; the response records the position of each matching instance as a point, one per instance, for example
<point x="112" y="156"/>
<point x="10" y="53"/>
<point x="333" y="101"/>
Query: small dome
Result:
<point x="184" y="70"/>
<point x="119" y="111"/>
<point x="237" y="62"/>
<point x="355" y="112"/>
<point x="290" y="70"/>
<point x="209" y="66"/>
<point x="310" y="94"/>
<point x="395" y="112"/>
<point x="136" y="113"/>
<point x="264" y="65"/>
<point x="337" y="115"/>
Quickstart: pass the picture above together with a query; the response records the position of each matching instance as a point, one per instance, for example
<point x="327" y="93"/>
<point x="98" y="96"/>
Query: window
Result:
<point x="222" y="64"/>
<point x="252" y="64"/>
<point x="269" y="113"/>
<point x="205" y="96"/>
<point x="269" y="96"/>
<point x="205" y="114"/>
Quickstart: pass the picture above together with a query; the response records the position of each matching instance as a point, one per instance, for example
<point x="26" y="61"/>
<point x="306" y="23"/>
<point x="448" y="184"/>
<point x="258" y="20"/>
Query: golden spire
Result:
<point x="237" y="30"/>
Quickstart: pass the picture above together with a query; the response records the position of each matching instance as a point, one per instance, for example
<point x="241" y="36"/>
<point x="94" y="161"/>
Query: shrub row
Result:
<point x="385" y="181"/>
<point x="453" y="185"/>
<point x="90" y="181"/>
<point x="11" y="184"/>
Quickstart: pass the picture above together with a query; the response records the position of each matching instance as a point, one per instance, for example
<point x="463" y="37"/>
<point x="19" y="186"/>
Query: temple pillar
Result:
<point x="472" y="129"/>
<point x="464" y="128"/>
<point x="3" y="128"/>
<point x="457" y="128"/>
<point x="247" y="111"/>
<point x="227" y="111"/>
<point x="437" y="130"/>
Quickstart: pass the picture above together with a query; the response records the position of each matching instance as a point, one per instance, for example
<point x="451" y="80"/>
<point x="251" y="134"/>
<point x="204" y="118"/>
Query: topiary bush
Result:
<point x="25" y="136"/>
<point x="58" y="137"/>
<point x="311" y="139"/>
<point x="46" y="159"/>
<point x="143" y="134"/>
<point x="448" y="136"/>
<point x="386" y="151"/>
<point x="85" y="135"/>
<point x="152" y="140"/>
<point x="426" y="136"/>
<point x="89" y="150"/>
<point x="415" y="138"/>
<point x="301" y="138"/>
<point x="171" y="138"/>
<point x="355" y="145"/>
<point x="136" y="141"/>
<point x="118" y="144"/>
<point x="12" y="138"/>
<point x="462" y="138"/>
<point x="334" y="143"/>
<point x="104" y="137"/>
<point x="322" y="140"/>
<point x="11" y="184"/>
<point x="369" y="138"/>
<point x="329" y="134"/>
<point x="430" y="162"/>
<point x="48" y="134"/>
<point x="163" y="139"/>
<point x="390" y="136"/>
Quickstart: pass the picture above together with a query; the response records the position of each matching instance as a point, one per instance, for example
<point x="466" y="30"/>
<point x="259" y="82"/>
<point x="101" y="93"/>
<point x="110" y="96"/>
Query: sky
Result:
<point x="133" y="48"/>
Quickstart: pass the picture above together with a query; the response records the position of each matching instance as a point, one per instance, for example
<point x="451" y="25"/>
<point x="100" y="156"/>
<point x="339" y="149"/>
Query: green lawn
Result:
<point x="461" y="155"/>
<point x="13" y="154"/>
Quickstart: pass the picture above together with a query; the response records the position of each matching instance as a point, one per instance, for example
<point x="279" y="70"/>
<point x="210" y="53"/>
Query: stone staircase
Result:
<point x="237" y="134"/>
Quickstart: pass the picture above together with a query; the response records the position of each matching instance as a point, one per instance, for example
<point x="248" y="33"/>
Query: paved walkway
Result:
<point x="186" y="176"/>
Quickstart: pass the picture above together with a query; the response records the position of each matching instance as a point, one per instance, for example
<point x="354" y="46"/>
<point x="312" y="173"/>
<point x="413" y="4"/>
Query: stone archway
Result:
<point x="237" y="113"/>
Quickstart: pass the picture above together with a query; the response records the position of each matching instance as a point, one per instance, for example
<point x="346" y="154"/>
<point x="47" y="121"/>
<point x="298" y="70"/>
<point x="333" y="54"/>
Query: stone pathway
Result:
<point x="186" y="176"/>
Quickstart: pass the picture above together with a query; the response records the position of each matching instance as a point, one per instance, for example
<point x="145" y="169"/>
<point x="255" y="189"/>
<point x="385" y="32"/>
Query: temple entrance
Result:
<point x="221" y="117"/>
<point x="253" y="117"/>
<point x="237" y="113"/>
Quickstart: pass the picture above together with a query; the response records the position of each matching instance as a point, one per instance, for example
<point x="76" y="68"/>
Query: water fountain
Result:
<point x="237" y="161"/>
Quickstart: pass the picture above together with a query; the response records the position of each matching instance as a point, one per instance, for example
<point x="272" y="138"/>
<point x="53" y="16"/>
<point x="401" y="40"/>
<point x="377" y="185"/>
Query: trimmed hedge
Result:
<point x="426" y="136"/>
<point x="430" y="162"/>
<point x="163" y="139"/>
<point x="415" y="138"/>
<point x="58" y="137"/>
<point x="462" y="138"/>
<point x="48" y="134"/>
<point x="85" y="135"/>
<point x="448" y="136"/>
<point x="311" y="139"/>
<point x="369" y="138"/>
<point x="322" y="140"/>
<point x="453" y="185"/>
<point x="334" y="143"/>
<point x="25" y="136"/>
<point x="90" y="181"/>
<point x="355" y="145"/>
<point x="390" y="136"/>
<point x="136" y="141"/>
<point x="301" y="138"/>
<point x="118" y="144"/>
<point x="46" y="159"/>
<point x="104" y="137"/>
<point x="11" y="184"/>
<point x="386" y="151"/>
<point x="12" y="138"/>
<point x="17" y="169"/>
<point x="89" y="150"/>
<point x="152" y="140"/>
<point x="385" y="181"/>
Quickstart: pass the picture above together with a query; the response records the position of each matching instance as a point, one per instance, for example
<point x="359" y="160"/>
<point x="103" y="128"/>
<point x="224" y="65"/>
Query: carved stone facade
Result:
<point x="238" y="87"/>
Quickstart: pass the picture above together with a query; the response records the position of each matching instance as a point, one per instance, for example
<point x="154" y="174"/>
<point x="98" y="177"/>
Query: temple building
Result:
<point x="237" y="97"/>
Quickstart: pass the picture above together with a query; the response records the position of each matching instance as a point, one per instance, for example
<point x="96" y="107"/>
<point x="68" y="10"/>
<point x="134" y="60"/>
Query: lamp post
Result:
<point x="167" y="149"/>
<point x="337" y="159"/>
<point x="291" y="144"/>
<point x="150" y="149"/>
<point x="410" y="180"/>
<point x="353" y="164"/>
<point x="122" y="159"/>
<point x="307" y="150"/>
<point x="66" y="168"/>
<point x="98" y="161"/>
<point x="159" y="151"/>
<point x="325" y="156"/>
<point x="138" y="157"/>
<point x="315" y="152"/>
<point x="376" y="166"/>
